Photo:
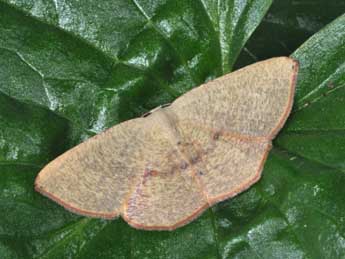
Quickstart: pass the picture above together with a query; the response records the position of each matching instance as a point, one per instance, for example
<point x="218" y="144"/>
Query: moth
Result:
<point x="161" y="171"/>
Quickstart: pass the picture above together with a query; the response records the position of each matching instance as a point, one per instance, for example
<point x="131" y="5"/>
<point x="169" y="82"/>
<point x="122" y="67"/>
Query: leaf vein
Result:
<point x="178" y="55"/>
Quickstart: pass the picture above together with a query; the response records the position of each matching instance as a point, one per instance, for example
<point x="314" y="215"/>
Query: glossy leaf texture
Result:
<point x="69" y="69"/>
<point x="286" y="26"/>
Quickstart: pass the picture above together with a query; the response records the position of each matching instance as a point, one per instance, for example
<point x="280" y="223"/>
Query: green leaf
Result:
<point x="71" y="69"/>
<point x="286" y="26"/>
<point x="118" y="59"/>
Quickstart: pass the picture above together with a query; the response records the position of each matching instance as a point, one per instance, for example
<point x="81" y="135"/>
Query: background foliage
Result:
<point x="69" y="69"/>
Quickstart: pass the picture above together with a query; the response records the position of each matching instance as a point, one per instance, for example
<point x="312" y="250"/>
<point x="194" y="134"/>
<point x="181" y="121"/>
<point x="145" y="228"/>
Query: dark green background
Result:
<point x="70" y="69"/>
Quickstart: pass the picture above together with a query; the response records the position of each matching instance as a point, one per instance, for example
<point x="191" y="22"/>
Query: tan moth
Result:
<point x="161" y="171"/>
